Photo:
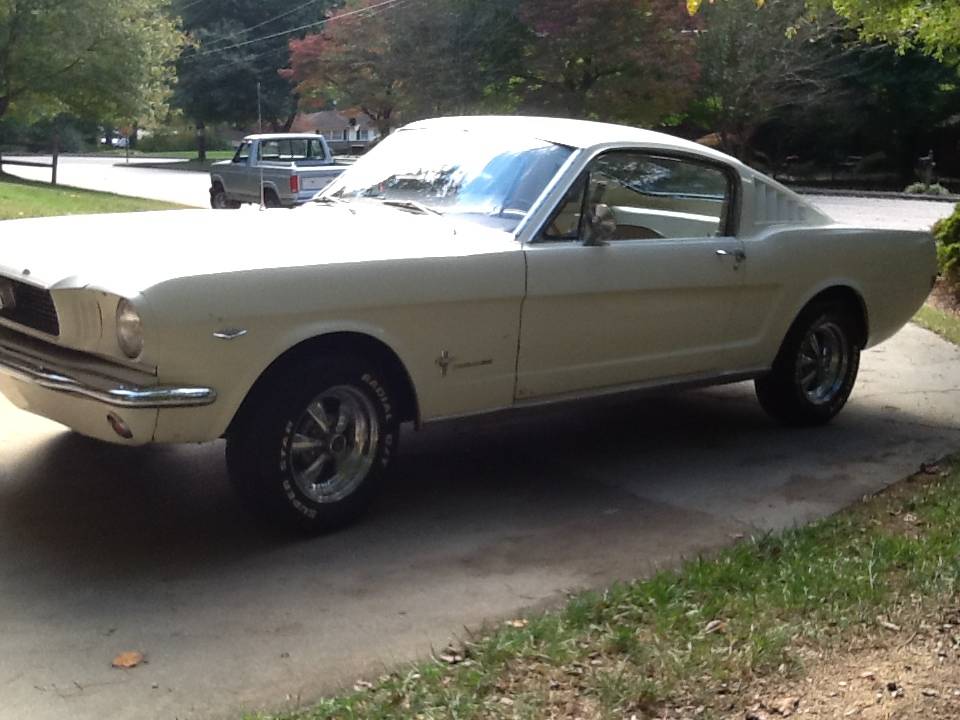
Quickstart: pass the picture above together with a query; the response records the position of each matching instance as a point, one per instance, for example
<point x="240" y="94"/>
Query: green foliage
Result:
<point x="435" y="57"/>
<point x="417" y="58"/>
<point x="762" y="63"/>
<point x="933" y="25"/>
<point x="947" y="234"/>
<point x="235" y="44"/>
<point x="106" y="60"/>
<point x="920" y="188"/>
<point x="159" y="142"/>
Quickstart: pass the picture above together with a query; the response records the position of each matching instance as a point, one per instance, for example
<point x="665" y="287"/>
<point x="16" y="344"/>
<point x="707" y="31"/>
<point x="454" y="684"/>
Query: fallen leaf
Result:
<point x="127" y="660"/>
<point x="520" y="623"/>
<point x="715" y="626"/>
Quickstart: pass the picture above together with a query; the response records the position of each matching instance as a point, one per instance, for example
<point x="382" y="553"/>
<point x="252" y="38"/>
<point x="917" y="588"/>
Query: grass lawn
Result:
<point x="818" y="615"/>
<point x="24" y="199"/>
<point x="943" y="323"/>
<point x="178" y="154"/>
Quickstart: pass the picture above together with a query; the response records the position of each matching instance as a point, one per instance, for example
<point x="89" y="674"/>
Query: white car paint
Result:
<point x="481" y="319"/>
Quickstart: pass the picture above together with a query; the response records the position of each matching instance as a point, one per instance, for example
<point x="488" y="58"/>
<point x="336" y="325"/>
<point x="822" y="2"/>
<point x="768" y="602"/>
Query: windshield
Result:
<point x="486" y="178"/>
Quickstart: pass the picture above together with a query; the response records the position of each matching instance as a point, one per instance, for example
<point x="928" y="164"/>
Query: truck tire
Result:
<point x="219" y="199"/>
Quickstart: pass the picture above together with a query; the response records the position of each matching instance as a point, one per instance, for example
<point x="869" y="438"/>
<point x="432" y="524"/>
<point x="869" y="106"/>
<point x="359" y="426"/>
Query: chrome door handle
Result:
<point x="738" y="255"/>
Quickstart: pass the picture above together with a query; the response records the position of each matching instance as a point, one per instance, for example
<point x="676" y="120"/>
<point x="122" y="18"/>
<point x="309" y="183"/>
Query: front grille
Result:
<point x="32" y="306"/>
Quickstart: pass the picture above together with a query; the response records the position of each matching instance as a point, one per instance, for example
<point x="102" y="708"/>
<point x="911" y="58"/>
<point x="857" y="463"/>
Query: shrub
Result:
<point x="920" y="188"/>
<point x="947" y="234"/>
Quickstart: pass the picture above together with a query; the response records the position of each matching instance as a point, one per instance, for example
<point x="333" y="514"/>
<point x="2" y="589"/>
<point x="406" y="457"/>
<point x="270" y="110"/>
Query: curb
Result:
<point x="878" y="194"/>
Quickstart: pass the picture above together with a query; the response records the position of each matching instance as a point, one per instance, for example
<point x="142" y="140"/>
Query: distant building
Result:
<point x="345" y="131"/>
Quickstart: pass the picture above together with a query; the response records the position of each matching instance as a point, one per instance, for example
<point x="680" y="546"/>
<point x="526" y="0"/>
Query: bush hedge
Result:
<point x="947" y="234"/>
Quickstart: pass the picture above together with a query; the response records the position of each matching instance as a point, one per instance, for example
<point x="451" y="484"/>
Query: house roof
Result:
<point x="330" y="120"/>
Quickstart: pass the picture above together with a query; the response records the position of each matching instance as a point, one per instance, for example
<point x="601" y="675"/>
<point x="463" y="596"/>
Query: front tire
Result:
<point x="815" y="370"/>
<point x="219" y="199"/>
<point x="312" y="447"/>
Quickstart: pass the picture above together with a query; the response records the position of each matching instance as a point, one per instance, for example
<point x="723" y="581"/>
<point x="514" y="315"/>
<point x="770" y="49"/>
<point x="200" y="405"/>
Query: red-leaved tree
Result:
<point x="623" y="60"/>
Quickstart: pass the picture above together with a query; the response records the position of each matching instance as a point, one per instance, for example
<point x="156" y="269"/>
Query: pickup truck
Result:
<point x="289" y="168"/>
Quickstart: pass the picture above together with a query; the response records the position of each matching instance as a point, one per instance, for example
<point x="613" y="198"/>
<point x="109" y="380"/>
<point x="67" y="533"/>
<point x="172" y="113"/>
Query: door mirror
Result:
<point x="600" y="225"/>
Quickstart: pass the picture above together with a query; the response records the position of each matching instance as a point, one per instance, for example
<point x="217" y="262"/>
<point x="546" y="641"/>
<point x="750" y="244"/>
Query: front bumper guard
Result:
<point x="109" y="391"/>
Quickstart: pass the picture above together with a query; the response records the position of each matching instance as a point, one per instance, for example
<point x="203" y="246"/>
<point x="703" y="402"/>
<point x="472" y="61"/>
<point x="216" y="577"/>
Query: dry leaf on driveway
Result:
<point x="127" y="660"/>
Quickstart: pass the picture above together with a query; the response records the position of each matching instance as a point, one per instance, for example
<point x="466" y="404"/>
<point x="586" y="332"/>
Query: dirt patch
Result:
<point x="910" y="673"/>
<point x="944" y="299"/>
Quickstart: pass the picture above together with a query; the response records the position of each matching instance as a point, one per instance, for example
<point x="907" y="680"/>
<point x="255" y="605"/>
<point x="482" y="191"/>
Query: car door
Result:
<point x="633" y="279"/>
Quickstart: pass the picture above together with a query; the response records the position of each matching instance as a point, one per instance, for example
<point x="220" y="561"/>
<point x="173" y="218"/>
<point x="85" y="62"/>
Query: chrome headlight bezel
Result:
<point x="129" y="330"/>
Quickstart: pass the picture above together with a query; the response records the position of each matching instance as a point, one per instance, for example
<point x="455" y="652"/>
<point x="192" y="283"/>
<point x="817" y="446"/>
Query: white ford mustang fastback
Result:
<point x="465" y="265"/>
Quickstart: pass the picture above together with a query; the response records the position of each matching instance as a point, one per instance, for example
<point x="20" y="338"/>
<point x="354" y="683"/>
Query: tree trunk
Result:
<point x="201" y="142"/>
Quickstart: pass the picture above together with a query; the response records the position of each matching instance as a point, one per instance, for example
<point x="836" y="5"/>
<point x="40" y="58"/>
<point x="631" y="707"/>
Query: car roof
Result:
<point x="564" y="131"/>
<point x="284" y="136"/>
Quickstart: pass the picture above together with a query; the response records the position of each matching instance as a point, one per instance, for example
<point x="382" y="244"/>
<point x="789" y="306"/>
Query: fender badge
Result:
<point x="229" y="334"/>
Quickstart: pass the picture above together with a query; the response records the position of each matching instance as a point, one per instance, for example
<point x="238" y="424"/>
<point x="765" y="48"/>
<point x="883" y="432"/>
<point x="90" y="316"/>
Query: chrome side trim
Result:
<point x="103" y="389"/>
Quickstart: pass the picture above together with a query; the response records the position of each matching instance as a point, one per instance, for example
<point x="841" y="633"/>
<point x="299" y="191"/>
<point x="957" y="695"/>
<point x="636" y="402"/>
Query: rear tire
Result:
<point x="816" y="368"/>
<point x="312" y="447"/>
<point x="270" y="200"/>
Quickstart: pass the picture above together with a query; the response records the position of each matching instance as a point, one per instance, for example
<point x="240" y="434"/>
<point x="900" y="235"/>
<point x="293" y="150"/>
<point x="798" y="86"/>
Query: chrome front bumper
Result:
<point x="101" y="388"/>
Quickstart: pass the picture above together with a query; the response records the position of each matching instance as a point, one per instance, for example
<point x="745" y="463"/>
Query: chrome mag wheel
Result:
<point x="823" y="362"/>
<point x="333" y="444"/>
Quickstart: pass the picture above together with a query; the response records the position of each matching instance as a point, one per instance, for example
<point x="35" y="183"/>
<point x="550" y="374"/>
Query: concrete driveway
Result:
<point x="107" y="549"/>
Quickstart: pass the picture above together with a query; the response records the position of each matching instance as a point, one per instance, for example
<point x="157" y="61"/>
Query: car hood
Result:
<point x="128" y="253"/>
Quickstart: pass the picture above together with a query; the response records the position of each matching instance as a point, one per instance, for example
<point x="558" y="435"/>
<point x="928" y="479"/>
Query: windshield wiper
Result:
<point x="329" y="200"/>
<point x="412" y="205"/>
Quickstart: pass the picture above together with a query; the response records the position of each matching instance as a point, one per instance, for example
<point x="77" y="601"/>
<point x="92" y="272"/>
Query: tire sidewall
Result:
<point x="791" y="360"/>
<point x="275" y="424"/>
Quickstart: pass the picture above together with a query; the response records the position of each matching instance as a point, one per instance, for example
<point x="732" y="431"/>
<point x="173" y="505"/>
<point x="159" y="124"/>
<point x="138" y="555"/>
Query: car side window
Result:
<point x="644" y="196"/>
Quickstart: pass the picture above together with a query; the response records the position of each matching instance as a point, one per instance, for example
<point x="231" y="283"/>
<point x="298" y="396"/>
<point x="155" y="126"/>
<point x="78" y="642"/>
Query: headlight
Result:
<point x="129" y="330"/>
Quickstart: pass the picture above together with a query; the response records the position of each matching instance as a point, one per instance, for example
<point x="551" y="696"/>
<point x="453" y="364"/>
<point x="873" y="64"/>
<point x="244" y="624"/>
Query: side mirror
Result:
<point x="600" y="225"/>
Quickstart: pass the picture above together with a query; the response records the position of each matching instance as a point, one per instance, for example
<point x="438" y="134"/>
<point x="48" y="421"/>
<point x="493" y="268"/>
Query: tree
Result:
<point x="623" y="60"/>
<point x="106" y="60"/>
<point x="416" y="58"/>
<point x="234" y="45"/>
<point x="762" y="63"/>
<point x="931" y="25"/>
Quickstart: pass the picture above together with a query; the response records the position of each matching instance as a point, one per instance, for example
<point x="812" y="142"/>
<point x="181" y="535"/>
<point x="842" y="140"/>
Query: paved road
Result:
<point x="107" y="549"/>
<point x="111" y="175"/>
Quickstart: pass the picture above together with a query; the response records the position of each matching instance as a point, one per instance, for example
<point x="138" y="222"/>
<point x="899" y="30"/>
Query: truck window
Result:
<point x="243" y="153"/>
<point x="315" y="150"/>
<point x="270" y="150"/>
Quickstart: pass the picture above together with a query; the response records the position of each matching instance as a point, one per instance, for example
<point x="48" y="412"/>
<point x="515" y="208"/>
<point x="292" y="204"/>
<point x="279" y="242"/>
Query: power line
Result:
<point x="386" y="4"/>
<point x="274" y="19"/>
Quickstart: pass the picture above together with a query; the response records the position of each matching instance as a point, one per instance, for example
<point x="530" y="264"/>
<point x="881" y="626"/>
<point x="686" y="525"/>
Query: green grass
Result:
<point x="178" y="154"/>
<point x="700" y="633"/>
<point x="945" y="324"/>
<point x="24" y="199"/>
